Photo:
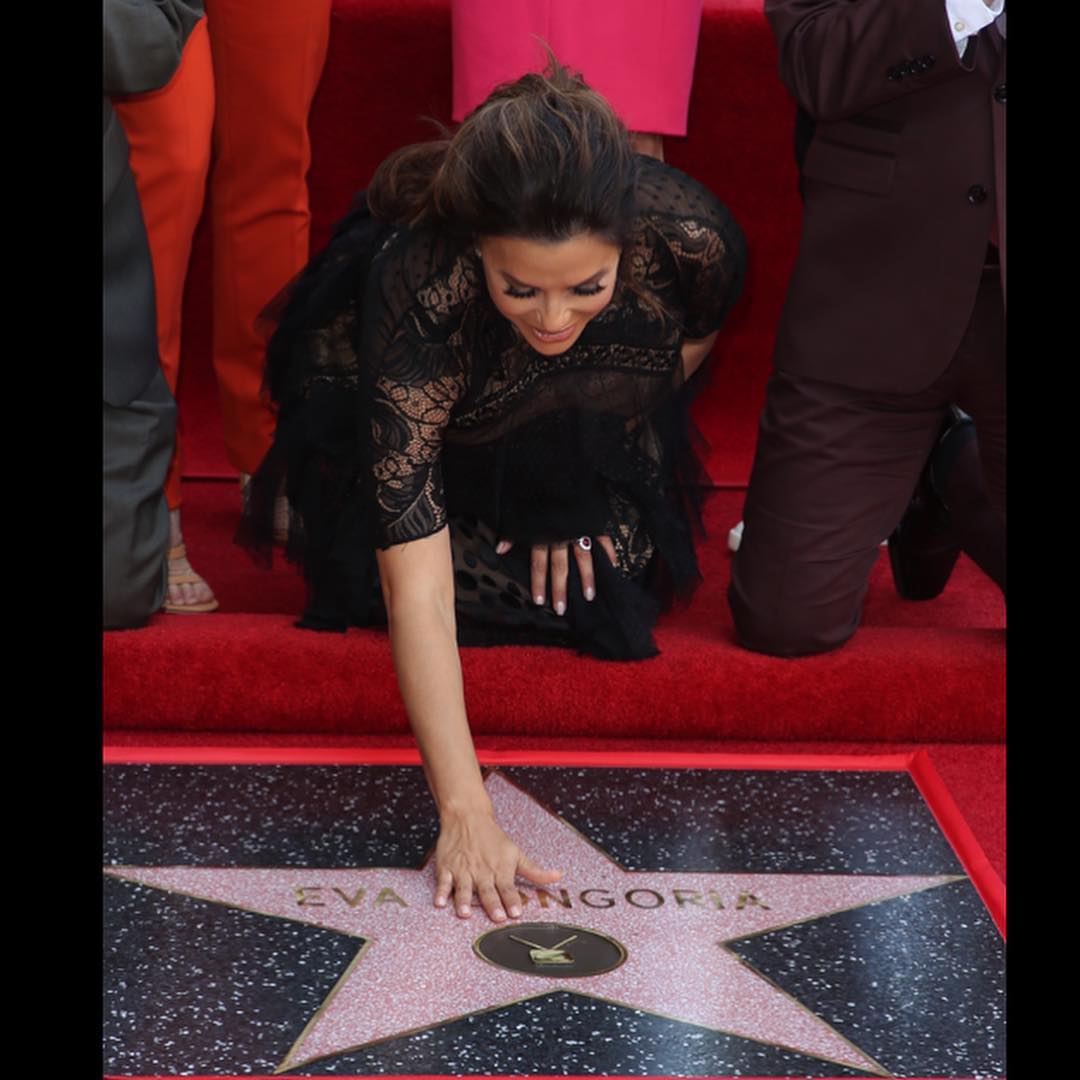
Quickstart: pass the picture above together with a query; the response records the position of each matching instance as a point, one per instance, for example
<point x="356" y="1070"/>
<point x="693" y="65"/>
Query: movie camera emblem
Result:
<point x="552" y="950"/>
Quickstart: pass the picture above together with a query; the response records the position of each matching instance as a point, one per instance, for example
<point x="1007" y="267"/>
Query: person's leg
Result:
<point x="138" y="441"/>
<point x="972" y="485"/>
<point x="268" y="58"/>
<point x="924" y="547"/>
<point x="832" y="475"/>
<point x="169" y="131"/>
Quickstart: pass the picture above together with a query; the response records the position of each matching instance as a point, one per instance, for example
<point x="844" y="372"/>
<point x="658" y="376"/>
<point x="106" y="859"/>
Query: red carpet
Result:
<point x="915" y="671"/>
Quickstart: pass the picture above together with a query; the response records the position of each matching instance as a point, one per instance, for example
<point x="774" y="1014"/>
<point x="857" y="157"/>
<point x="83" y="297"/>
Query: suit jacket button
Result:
<point x="976" y="194"/>
<point x="999" y="93"/>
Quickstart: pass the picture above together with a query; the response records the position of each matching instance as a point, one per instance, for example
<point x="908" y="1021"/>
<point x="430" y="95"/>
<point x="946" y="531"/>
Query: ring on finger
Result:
<point x="585" y="543"/>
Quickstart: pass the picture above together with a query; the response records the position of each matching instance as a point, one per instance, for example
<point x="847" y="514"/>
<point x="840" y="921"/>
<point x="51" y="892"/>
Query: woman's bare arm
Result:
<point x="473" y="853"/>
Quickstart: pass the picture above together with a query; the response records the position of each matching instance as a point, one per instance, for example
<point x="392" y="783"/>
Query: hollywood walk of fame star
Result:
<point x="420" y="966"/>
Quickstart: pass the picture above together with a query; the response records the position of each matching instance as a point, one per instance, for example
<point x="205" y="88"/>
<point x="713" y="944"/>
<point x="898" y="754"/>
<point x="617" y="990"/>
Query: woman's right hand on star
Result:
<point x="474" y="856"/>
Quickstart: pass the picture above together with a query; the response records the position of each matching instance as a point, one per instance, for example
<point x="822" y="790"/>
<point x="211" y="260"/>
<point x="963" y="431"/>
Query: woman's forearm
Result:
<point x="473" y="856"/>
<point x="424" y="646"/>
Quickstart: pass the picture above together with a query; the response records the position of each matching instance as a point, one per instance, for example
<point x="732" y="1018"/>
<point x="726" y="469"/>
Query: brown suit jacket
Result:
<point x="901" y="182"/>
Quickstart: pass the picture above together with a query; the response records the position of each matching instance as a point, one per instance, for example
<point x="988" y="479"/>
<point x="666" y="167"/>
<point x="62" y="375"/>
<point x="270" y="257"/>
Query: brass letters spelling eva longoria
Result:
<point x="641" y="898"/>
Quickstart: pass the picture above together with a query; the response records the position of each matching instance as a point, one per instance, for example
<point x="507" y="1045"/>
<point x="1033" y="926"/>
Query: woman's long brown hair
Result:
<point x="544" y="157"/>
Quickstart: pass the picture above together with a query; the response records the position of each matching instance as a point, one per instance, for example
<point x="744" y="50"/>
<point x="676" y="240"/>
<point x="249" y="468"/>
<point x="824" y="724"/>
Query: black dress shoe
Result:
<point x="924" y="547"/>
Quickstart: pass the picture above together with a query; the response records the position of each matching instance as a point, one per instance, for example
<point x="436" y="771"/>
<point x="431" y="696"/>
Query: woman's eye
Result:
<point x="526" y="294"/>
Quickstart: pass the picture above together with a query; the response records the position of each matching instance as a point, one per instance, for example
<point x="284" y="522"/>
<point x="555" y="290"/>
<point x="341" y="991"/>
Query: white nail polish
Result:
<point x="590" y="592"/>
<point x="538" y="601"/>
<point x="560" y="607"/>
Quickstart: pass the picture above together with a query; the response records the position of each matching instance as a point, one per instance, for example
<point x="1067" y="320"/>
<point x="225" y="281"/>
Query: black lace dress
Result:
<point x="407" y="403"/>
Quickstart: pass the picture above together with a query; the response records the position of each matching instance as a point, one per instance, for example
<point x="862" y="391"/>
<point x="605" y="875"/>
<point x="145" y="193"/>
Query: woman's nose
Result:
<point x="553" y="316"/>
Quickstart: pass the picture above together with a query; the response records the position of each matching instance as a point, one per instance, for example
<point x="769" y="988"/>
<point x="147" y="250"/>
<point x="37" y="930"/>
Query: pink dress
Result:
<point x="638" y="53"/>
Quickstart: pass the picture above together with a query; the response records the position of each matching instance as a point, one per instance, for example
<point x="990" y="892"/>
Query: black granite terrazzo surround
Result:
<point x="196" y="987"/>
<point x="791" y="822"/>
<point x="565" y="1035"/>
<point x="918" y="982"/>
<point x="267" y="815"/>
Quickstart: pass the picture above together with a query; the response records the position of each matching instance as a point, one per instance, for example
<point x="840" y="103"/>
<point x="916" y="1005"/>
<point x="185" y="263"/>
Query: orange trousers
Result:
<point x="244" y="87"/>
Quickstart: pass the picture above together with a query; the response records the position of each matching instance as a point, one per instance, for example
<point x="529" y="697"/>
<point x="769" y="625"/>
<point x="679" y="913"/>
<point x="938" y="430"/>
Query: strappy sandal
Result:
<point x="185" y="577"/>
<point x="281" y="511"/>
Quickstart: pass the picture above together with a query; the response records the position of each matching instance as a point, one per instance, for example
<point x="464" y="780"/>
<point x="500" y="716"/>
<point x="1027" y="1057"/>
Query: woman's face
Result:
<point x="549" y="291"/>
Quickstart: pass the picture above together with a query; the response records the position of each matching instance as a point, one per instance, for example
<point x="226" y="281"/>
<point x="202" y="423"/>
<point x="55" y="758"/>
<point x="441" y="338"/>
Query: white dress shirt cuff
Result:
<point x="968" y="17"/>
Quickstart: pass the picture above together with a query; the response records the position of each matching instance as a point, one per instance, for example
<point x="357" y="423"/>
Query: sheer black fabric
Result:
<point x="407" y="403"/>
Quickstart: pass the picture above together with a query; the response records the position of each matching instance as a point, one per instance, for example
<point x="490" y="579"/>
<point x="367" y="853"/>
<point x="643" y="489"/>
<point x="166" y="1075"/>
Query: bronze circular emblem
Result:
<point x="552" y="950"/>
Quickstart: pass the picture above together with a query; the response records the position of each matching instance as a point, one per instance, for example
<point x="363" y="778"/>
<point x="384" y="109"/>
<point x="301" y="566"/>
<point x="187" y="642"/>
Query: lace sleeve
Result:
<point x="410" y="410"/>
<point x="416" y="379"/>
<point x="701" y="247"/>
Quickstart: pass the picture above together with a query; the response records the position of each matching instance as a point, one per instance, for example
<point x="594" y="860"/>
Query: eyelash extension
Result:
<point x="518" y="294"/>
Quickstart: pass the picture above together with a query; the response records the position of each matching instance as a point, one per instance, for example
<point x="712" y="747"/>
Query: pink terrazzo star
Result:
<point x="419" y="969"/>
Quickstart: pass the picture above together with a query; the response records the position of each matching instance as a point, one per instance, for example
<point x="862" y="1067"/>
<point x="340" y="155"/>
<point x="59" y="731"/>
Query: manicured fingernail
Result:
<point x="502" y="547"/>
<point x="590" y="593"/>
<point x="560" y="607"/>
<point x="515" y="912"/>
<point x="498" y="915"/>
<point x="440" y="901"/>
<point x="538" y="600"/>
<point x="464" y="912"/>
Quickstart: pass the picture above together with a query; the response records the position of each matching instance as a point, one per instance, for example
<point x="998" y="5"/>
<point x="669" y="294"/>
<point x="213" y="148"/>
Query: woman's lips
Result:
<point x="555" y="335"/>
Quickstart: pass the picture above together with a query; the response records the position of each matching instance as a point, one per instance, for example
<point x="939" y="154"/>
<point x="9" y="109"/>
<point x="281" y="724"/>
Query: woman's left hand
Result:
<point x="556" y="557"/>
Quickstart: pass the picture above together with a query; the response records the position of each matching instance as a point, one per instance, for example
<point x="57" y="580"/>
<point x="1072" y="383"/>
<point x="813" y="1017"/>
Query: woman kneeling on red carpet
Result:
<point x="483" y="382"/>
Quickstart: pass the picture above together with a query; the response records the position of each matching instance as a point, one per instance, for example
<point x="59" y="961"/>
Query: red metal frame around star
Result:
<point x="917" y="765"/>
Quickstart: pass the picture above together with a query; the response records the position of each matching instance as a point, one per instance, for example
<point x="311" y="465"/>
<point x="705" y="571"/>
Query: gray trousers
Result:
<point x="138" y="442"/>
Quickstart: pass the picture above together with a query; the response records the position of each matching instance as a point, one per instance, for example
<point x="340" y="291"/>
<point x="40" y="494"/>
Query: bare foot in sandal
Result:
<point x="188" y="593"/>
